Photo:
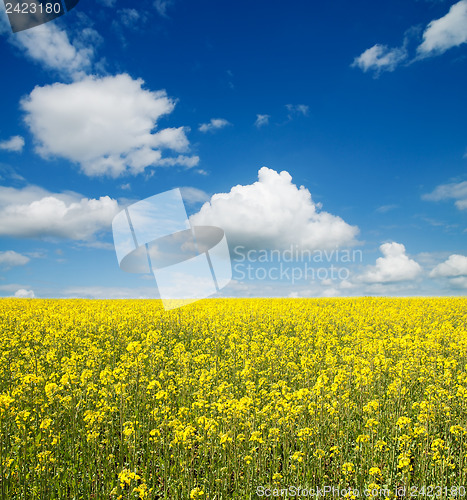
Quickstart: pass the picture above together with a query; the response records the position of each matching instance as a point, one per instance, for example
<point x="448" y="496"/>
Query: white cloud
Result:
<point x="297" y="109"/>
<point x="162" y="6"/>
<point x="274" y="213"/>
<point x="214" y="124"/>
<point x="11" y="258"/>
<point x="5" y="27"/>
<point x="182" y="160"/>
<point x="447" y="32"/>
<point x="386" y="208"/>
<point x="439" y="36"/>
<point x="129" y="17"/>
<point x="394" y="266"/>
<point x="33" y="212"/>
<point x="459" y="282"/>
<point x="380" y="58"/>
<point x="262" y="120"/>
<point x="453" y="191"/>
<point x="455" y="265"/>
<point x="50" y="46"/>
<point x="106" y="125"/>
<point x="25" y="294"/>
<point x="194" y="195"/>
<point x="15" y="143"/>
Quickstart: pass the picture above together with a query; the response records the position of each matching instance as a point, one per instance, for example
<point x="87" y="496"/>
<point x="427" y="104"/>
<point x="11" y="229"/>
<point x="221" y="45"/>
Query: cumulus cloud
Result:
<point x="106" y="125"/>
<point x="214" y="124"/>
<point x="452" y="191"/>
<point x="15" y="143"/>
<point x="394" y="266"/>
<point x="380" y="58"/>
<point x="444" y="33"/>
<point x="51" y="47"/>
<point x="25" y="294"/>
<point x="455" y="265"/>
<point x="33" y="212"/>
<point x="11" y="258"/>
<point x="274" y="213"/>
<point x="262" y="120"/>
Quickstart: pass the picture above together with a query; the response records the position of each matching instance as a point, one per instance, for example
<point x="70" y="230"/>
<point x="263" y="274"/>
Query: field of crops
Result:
<point x="232" y="399"/>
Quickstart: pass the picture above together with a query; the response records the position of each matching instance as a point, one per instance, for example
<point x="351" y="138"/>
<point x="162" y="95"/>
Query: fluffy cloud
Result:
<point x="214" y="124"/>
<point x="453" y="191"/>
<point x="439" y="36"/>
<point x="262" y="120"/>
<point x="11" y="258"/>
<point x="455" y="265"/>
<point x="274" y="213"/>
<point x="447" y="32"/>
<point x="15" y="143"/>
<point x="51" y="47"/>
<point x="106" y="125"/>
<point x="25" y="294"/>
<point x="380" y="58"/>
<point x="394" y="266"/>
<point x="33" y="212"/>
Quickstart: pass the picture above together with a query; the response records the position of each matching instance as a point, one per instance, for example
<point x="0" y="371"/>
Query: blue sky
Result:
<point x="361" y="103"/>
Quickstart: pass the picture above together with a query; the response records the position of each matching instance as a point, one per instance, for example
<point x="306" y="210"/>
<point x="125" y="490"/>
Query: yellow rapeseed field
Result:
<point x="233" y="398"/>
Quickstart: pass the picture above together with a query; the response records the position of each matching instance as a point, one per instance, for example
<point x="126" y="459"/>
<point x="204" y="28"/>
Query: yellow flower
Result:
<point x="457" y="430"/>
<point x="363" y="438"/>
<point x="334" y="450"/>
<point x="298" y="456"/>
<point x="375" y="471"/>
<point x="276" y="477"/>
<point x="45" y="424"/>
<point x="348" y="468"/>
<point x="319" y="453"/>
<point x="126" y="476"/>
<point x="404" y="463"/>
<point x="196" y="493"/>
<point x="403" y="422"/>
<point x="371" y="422"/>
<point x="256" y="436"/>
